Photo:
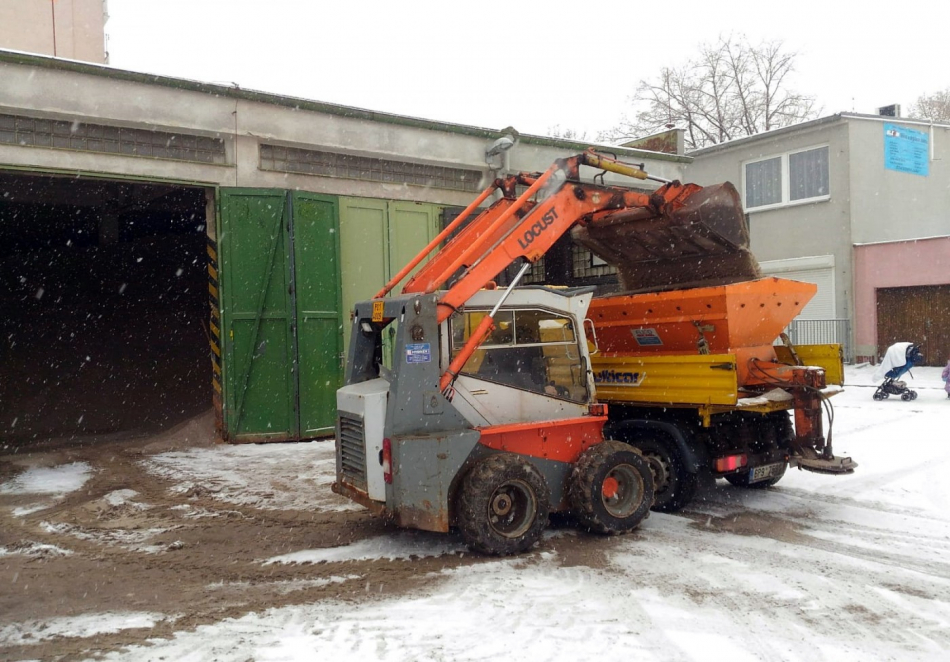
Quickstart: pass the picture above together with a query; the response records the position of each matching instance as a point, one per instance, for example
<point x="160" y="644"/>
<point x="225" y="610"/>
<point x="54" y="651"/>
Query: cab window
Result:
<point x="535" y="350"/>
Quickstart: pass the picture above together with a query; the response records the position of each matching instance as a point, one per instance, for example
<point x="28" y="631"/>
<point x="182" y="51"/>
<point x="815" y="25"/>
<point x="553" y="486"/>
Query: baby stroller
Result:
<point x="899" y="359"/>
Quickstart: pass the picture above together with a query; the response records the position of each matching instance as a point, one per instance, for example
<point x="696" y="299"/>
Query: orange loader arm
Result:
<point x="522" y="227"/>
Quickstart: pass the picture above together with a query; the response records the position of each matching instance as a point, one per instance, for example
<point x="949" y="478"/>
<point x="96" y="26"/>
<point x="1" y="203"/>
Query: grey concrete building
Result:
<point x="860" y="205"/>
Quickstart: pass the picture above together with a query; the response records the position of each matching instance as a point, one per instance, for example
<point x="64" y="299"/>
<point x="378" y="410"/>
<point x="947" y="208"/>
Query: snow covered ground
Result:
<point x="859" y="569"/>
<point x="86" y="625"/>
<point x="819" y="568"/>
<point x="46" y="485"/>
<point x="272" y="476"/>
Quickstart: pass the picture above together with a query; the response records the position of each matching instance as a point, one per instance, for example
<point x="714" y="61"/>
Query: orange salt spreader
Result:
<point x="741" y="319"/>
<point x="695" y="326"/>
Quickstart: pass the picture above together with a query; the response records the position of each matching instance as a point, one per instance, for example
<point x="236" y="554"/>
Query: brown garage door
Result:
<point x="916" y="314"/>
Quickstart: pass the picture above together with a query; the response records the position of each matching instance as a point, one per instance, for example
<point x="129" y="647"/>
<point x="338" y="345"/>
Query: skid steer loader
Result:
<point x="485" y="415"/>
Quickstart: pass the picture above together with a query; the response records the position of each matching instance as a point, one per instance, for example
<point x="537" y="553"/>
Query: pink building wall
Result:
<point x="73" y="29"/>
<point x="896" y="264"/>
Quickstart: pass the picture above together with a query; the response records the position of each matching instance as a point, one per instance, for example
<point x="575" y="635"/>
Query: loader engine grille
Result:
<point x="352" y="451"/>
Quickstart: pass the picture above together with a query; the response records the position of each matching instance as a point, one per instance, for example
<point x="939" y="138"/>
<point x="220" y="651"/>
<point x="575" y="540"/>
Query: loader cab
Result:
<point x="534" y="365"/>
<point x="530" y="349"/>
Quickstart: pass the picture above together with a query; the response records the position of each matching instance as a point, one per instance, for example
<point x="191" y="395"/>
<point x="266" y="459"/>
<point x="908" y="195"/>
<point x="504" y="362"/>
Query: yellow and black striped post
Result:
<point x="215" y="335"/>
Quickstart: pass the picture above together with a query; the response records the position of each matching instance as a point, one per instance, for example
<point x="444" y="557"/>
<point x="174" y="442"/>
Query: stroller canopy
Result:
<point x="897" y="356"/>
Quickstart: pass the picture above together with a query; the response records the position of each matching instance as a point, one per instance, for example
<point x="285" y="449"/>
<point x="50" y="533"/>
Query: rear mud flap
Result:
<point x="838" y="465"/>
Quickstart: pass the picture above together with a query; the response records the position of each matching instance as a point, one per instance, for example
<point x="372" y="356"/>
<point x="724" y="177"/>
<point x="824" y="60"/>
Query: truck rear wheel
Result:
<point x="674" y="486"/>
<point x="503" y="505"/>
<point x="611" y="488"/>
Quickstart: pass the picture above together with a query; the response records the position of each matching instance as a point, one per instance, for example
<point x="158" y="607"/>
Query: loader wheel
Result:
<point x="742" y="480"/>
<point x="503" y="505"/>
<point x="611" y="488"/>
<point x="674" y="486"/>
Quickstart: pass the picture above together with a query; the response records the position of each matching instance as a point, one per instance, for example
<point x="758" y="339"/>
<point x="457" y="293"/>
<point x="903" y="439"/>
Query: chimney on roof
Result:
<point x="894" y="110"/>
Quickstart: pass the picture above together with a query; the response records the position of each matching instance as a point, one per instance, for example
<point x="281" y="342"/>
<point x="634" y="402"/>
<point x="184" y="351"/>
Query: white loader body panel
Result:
<point x="484" y="403"/>
<point x="365" y="406"/>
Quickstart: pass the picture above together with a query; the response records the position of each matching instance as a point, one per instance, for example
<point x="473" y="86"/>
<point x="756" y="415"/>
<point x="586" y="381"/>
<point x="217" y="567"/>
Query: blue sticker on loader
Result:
<point x="418" y="353"/>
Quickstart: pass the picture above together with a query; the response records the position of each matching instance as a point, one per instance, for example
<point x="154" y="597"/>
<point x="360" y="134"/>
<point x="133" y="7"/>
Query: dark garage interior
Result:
<point x="103" y="307"/>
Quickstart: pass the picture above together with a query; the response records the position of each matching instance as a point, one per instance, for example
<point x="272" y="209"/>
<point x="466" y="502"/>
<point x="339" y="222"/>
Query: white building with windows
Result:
<point x="859" y="205"/>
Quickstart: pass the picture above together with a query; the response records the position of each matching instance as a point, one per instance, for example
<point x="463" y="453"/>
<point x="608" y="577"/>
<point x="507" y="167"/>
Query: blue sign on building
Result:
<point x="906" y="150"/>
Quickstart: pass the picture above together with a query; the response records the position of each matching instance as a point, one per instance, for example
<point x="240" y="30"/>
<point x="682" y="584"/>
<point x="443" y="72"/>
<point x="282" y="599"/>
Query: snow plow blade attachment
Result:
<point x="699" y="239"/>
<point x="838" y="465"/>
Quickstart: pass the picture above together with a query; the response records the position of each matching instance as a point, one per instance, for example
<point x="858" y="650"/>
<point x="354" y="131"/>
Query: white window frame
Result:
<point x="786" y="179"/>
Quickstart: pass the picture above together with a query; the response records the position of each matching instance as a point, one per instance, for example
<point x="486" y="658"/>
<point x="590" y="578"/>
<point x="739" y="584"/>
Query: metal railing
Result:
<point x="813" y="332"/>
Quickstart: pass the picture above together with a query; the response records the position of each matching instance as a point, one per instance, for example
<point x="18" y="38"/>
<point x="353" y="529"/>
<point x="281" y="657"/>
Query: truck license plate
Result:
<point x="765" y="472"/>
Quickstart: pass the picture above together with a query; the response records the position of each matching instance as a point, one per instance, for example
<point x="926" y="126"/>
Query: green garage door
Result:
<point x="378" y="239"/>
<point x="280" y="313"/>
<point x="318" y="305"/>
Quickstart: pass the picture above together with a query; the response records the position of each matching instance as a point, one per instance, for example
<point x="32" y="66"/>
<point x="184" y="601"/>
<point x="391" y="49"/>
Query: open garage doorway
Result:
<point x="103" y="307"/>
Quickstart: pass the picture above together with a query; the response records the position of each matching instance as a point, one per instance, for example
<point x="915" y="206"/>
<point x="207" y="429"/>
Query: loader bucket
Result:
<point x="701" y="239"/>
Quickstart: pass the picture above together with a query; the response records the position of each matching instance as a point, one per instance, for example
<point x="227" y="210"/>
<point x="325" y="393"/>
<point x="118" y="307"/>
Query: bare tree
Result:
<point x="934" y="107"/>
<point x="567" y="134"/>
<point x="730" y="89"/>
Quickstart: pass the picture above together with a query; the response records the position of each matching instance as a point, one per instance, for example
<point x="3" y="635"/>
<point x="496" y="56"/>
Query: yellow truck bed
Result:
<point x="707" y="381"/>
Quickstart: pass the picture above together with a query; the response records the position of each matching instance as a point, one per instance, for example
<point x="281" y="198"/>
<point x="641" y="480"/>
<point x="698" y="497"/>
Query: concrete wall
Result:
<point x="243" y="120"/>
<point x="79" y="34"/>
<point x="898" y="264"/>
<point x="887" y="205"/>
<point x="797" y="230"/>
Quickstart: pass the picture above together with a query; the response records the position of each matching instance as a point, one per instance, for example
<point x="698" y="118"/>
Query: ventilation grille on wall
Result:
<point x="535" y="275"/>
<point x="60" y="134"/>
<point x="332" y="164"/>
<point x="588" y="265"/>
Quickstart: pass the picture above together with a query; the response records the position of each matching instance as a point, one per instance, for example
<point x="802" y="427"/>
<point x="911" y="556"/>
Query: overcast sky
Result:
<point x="529" y="65"/>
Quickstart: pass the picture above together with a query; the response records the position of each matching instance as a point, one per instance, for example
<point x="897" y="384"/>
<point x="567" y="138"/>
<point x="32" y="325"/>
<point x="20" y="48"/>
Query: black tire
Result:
<point x="503" y="505"/>
<point x="611" y="488"/>
<point x="742" y="480"/>
<point x="906" y="396"/>
<point x="673" y="486"/>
